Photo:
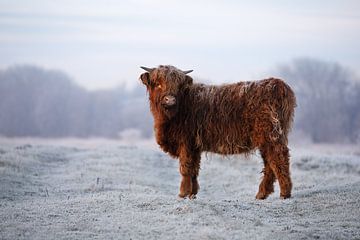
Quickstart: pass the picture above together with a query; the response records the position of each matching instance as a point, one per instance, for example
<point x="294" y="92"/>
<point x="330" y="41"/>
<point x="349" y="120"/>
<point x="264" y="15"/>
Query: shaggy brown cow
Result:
<point x="234" y="118"/>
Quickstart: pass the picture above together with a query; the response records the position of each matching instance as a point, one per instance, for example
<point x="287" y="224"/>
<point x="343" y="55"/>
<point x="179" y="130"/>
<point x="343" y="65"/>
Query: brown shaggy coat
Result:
<point x="234" y="118"/>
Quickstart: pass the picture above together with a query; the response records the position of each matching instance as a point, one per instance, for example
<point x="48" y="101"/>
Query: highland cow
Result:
<point x="191" y="118"/>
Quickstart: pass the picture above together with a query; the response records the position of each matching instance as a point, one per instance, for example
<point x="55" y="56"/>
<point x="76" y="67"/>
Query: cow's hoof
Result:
<point x="285" y="196"/>
<point x="180" y="195"/>
<point x="192" y="196"/>
<point x="183" y="195"/>
<point x="261" y="196"/>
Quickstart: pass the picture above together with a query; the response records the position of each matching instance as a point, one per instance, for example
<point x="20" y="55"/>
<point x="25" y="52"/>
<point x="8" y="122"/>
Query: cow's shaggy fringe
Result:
<point x="226" y="119"/>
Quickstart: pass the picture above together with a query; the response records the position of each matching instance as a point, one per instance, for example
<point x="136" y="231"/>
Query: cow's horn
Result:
<point x="147" y="69"/>
<point x="188" y="71"/>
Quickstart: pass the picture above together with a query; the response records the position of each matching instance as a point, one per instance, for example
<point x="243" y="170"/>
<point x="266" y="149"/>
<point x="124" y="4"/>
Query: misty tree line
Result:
<point x="328" y="99"/>
<point x="38" y="102"/>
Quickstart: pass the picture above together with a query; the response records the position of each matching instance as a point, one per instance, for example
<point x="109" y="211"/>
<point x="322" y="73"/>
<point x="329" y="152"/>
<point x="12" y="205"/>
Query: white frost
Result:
<point x="111" y="191"/>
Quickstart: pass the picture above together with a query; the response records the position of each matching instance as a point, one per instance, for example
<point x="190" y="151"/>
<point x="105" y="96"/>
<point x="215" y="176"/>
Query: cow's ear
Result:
<point x="145" y="78"/>
<point x="188" y="80"/>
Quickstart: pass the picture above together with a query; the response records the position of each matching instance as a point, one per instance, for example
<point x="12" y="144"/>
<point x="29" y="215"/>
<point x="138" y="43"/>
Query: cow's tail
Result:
<point x="283" y="116"/>
<point x="287" y="108"/>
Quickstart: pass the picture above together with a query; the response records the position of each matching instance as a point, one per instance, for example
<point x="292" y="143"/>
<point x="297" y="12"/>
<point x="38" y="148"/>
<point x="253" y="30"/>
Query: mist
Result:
<point x="38" y="102"/>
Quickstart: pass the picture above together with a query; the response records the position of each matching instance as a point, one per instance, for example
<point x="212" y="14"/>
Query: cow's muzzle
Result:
<point x="168" y="101"/>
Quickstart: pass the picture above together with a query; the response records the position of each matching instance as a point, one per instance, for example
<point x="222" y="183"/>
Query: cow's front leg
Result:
<point x="189" y="170"/>
<point x="195" y="187"/>
<point x="185" y="186"/>
<point x="195" y="184"/>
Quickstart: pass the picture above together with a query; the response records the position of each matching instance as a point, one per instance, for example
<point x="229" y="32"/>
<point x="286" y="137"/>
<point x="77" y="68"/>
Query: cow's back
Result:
<point x="236" y="118"/>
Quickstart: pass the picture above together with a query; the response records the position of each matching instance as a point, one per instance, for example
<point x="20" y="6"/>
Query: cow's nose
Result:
<point x="169" y="100"/>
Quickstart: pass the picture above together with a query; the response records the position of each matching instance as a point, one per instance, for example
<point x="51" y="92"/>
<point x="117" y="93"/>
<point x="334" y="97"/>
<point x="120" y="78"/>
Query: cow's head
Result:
<point x="165" y="85"/>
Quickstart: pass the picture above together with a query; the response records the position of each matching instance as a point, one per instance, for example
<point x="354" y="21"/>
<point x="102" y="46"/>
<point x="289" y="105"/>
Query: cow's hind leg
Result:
<point x="266" y="186"/>
<point x="278" y="158"/>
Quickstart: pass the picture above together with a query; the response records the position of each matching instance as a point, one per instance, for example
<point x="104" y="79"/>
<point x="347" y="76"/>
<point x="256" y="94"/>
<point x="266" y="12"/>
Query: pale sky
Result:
<point x="101" y="44"/>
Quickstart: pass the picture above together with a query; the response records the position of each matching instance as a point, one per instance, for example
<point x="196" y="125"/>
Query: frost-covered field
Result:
<point x="105" y="190"/>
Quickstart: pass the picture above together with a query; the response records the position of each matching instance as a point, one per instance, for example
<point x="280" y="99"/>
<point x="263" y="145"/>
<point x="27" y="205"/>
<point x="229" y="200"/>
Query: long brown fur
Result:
<point x="226" y="119"/>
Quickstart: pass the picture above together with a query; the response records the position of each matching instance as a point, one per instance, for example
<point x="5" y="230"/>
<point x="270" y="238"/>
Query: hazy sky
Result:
<point x="102" y="43"/>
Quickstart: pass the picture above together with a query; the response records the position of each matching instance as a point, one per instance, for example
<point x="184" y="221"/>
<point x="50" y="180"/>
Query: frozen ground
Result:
<point x="92" y="190"/>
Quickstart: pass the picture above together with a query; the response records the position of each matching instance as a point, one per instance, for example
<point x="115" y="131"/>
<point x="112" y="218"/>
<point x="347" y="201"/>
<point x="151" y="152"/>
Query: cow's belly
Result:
<point x="226" y="149"/>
